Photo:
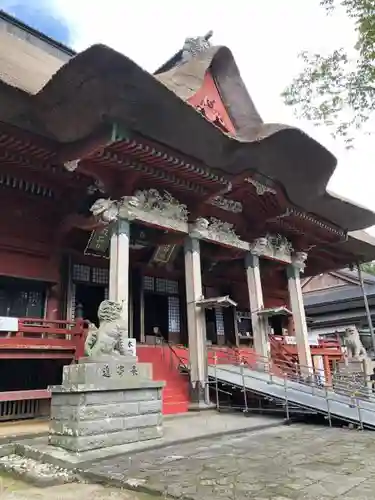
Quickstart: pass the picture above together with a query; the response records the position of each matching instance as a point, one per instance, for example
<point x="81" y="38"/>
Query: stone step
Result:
<point x="175" y="394"/>
<point x="31" y="471"/>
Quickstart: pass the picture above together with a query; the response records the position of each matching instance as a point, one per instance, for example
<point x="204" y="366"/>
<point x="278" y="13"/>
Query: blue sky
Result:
<point x="41" y="16"/>
<point x="265" y="37"/>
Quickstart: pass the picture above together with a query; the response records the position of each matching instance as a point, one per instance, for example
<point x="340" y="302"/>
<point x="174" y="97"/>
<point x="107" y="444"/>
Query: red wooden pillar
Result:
<point x="53" y="303"/>
<point x="327" y="370"/>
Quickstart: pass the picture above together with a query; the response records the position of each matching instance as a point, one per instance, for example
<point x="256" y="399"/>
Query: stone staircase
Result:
<point x="165" y="366"/>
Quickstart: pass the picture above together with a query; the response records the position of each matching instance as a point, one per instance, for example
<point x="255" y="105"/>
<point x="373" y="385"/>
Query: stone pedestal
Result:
<point x="353" y="378"/>
<point x="103" y="403"/>
<point x="200" y="398"/>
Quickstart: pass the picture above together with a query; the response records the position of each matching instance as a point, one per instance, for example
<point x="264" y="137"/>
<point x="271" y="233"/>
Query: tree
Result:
<point x="369" y="268"/>
<point x="338" y="90"/>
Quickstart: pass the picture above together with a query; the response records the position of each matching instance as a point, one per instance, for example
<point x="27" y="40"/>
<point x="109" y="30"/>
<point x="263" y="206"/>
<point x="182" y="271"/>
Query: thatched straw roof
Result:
<point x="98" y="86"/>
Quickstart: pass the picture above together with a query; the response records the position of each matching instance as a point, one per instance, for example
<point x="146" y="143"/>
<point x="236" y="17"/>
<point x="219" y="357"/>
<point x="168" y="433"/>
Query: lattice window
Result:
<point x="72" y="312"/>
<point x="172" y="287"/>
<point x="106" y="293"/>
<point x="219" y="316"/>
<point x="81" y="272"/>
<point x="149" y="283"/>
<point x="243" y="315"/>
<point x="161" y="285"/>
<point x="244" y="323"/>
<point x="100" y="275"/>
<point x="173" y="314"/>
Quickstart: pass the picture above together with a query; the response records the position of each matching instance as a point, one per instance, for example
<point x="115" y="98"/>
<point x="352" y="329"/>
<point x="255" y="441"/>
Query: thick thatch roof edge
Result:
<point x="101" y="85"/>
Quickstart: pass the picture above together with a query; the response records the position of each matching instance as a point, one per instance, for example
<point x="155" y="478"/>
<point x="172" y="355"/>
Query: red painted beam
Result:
<point x="24" y="395"/>
<point x="29" y="354"/>
<point x="316" y="350"/>
<point x="42" y="321"/>
<point x="36" y="343"/>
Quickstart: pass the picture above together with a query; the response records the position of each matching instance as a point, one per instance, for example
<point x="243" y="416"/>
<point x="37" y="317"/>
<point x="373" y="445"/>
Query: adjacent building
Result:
<point x="334" y="301"/>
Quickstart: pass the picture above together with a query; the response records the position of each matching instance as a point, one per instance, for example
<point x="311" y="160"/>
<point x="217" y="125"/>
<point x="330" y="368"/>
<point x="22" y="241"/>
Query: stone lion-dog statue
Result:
<point x="110" y="338"/>
<point x="355" y="348"/>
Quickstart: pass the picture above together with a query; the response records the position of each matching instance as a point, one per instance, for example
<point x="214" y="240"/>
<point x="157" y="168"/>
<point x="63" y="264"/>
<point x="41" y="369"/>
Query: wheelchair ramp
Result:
<point x="297" y="394"/>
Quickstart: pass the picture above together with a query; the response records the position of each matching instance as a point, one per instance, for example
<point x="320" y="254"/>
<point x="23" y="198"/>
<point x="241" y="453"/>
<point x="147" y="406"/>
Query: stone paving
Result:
<point x="187" y="427"/>
<point x="297" y="462"/>
<point x="13" y="489"/>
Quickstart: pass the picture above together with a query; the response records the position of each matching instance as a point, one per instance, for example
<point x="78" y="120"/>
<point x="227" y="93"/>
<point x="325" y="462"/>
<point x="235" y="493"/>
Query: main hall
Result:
<point x="166" y="192"/>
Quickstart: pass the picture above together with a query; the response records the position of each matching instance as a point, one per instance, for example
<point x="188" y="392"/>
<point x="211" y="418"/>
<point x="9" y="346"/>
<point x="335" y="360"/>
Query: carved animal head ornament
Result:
<point x="259" y="246"/>
<point x="131" y="201"/>
<point x="299" y="260"/>
<point x="195" y="45"/>
<point x="202" y="223"/>
<point x="109" y="310"/>
<point x="106" y="210"/>
<point x="351" y="331"/>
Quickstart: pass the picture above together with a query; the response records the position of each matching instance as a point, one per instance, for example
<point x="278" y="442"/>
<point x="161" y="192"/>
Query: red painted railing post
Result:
<point x="327" y="371"/>
<point x="79" y="333"/>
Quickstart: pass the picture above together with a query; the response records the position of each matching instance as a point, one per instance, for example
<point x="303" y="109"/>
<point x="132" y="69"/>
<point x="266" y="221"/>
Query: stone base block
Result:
<point x="93" y="442"/>
<point x="199" y="397"/>
<point x="123" y="371"/>
<point x="103" y="404"/>
<point x="83" y="412"/>
<point x="352" y="366"/>
<point x="98" y="426"/>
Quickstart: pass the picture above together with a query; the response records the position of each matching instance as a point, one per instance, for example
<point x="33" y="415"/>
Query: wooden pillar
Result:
<point x="327" y="371"/>
<point x="53" y="302"/>
<point x="184" y="340"/>
<point x="143" y="331"/>
<point x="138" y="299"/>
<point x="119" y="267"/>
<point x="196" y="320"/>
<point x="259" y="323"/>
<point x="230" y="320"/>
<point x="299" y="318"/>
<point x="53" y="299"/>
<point x="131" y="306"/>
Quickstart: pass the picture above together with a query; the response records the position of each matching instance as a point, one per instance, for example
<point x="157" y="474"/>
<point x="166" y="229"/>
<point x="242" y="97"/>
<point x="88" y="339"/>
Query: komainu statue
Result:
<point x="355" y="348"/>
<point x="110" y="338"/>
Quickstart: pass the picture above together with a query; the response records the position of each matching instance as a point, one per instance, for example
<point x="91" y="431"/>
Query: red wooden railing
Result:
<point x="58" y="339"/>
<point x="44" y="338"/>
<point x="38" y="338"/>
<point x="285" y="355"/>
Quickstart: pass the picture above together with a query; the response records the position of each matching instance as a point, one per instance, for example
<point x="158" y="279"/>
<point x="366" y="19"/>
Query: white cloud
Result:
<point x="265" y="38"/>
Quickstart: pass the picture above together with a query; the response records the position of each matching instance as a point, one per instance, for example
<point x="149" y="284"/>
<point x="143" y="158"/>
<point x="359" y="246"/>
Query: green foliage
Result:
<point x="338" y="90"/>
<point x="369" y="268"/>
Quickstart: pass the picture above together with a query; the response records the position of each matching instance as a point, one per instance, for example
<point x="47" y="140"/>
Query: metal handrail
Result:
<point x="323" y="393"/>
<point x="172" y="350"/>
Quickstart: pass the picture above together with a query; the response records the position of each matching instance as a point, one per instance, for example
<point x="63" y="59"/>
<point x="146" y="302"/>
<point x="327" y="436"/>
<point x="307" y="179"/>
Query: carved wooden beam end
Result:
<point x="85" y="147"/>
<point x="73" y="221"/>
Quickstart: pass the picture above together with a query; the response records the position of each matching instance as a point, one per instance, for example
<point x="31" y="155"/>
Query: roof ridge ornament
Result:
<point x="193" y="46"/>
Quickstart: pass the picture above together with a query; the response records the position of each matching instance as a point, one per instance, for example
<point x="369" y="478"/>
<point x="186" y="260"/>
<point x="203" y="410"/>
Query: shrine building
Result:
<point x="166" y="192"/>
